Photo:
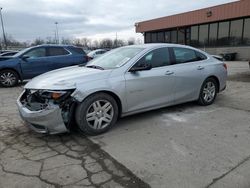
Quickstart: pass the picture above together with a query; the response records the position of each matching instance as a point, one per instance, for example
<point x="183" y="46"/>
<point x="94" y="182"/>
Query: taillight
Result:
<point x="88" y="58"/>
<point x="225" y="65"/>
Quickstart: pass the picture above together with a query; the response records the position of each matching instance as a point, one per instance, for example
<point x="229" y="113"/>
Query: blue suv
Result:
<point x="33" y="61"/>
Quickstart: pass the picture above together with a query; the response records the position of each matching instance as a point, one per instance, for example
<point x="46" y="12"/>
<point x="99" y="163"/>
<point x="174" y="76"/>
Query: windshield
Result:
<point x="91" y="53"/>
<point x="21" y="52"/>
<point x="115" y="58"/>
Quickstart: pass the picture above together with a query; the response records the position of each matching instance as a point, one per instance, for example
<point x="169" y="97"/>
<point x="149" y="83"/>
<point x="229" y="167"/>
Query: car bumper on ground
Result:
<point x="48" y="120"/>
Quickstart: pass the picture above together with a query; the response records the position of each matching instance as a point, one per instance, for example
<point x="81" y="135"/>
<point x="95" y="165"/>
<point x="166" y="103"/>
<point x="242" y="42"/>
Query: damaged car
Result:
<point x="124" y="81"/>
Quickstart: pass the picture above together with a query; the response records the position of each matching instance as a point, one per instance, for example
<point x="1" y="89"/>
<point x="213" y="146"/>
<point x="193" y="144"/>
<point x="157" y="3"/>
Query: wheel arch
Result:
<point x="12" y="69"/>
<point x="217" y="81"/>
<point x="112" y="94"/>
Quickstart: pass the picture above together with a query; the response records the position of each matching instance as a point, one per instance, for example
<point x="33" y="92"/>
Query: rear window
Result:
<point x="185" y="55"/>
<point x="201" y="56"/>
<point x="57" y="51"/>
<point x="100" y="52"/>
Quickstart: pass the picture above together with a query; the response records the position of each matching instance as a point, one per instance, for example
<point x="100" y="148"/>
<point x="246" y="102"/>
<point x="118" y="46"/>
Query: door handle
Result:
<point x="169" y="73"/>
<point x="200" y="68"/>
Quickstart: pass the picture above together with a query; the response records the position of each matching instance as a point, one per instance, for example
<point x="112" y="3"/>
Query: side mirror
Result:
<point x="25" y="57"/>
<point x="142" y="67"/>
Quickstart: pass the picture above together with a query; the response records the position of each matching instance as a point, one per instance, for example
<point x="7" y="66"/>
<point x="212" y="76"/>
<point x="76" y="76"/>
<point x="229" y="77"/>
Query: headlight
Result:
<point x="52" y="94"/>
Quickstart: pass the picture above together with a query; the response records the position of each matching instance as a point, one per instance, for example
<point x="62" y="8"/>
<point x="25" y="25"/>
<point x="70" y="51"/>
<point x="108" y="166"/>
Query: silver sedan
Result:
<point x="122" y="82"/>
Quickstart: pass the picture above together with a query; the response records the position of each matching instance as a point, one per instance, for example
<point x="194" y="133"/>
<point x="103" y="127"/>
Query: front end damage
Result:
<point x="47" y="111"/>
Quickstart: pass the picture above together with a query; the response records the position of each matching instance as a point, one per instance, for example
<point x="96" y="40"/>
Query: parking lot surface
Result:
<point x="30" y="160"/>
<point x="189" y="145"/>
<point x="181" y="146"/>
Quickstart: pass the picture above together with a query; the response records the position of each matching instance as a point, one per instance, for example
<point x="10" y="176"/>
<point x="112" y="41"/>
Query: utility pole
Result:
<point x="4" y="37"/>
<point x="57" y="36"/>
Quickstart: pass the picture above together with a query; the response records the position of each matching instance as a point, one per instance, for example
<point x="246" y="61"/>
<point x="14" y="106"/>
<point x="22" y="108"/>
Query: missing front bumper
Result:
<point x="47" y="120"/>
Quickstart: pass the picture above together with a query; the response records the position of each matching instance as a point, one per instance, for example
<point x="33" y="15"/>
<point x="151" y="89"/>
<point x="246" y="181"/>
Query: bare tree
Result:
<point x="50" y="40"/>
<point x="66" y="41"/>
<point x="37" y="41"/>
<point x="120" y="43"/>
<point x="95" y="44"/>
<point x="106" y="43"/>
<point x="131" y="41"/>
<point x="12" y="43"/>
<point x="86" y="42"/>
<point x="77" y="42"/>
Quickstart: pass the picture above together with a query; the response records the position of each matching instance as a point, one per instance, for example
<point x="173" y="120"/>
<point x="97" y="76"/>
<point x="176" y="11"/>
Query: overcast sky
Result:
<point x="29" y="19"/>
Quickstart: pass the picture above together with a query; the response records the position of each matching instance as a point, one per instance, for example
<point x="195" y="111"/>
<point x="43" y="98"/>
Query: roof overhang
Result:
<point x="211" y="14"/>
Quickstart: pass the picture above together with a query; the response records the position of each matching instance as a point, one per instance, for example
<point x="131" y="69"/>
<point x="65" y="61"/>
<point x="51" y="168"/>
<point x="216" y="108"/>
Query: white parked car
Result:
<point x="96" y="53"/>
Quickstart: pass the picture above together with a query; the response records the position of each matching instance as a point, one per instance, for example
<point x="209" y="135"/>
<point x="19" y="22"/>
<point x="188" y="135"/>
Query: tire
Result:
<point x="8" y="78"/>
<point x="208" y="92"/>
<point x="96" y="114"/>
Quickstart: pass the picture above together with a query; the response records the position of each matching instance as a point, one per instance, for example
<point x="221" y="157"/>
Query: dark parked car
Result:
<point x="8" y="53"/>
<point x="34" y="61"/>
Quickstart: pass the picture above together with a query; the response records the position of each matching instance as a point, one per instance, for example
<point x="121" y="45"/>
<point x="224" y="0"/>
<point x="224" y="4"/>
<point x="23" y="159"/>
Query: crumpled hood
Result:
<point x="66" y="78"/>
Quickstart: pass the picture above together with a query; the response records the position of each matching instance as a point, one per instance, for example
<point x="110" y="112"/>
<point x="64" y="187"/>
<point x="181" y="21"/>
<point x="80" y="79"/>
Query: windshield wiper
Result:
<point x="95" y="67"/>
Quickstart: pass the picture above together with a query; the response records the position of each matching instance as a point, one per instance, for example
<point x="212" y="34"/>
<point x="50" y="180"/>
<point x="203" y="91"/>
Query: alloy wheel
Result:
<point x="100" y="114"/>
<point x="209" y="92"/>
<point x="7" y="79"/>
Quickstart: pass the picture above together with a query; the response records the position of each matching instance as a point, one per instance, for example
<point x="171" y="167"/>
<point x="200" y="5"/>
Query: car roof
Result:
<point x="159" y="45"/>
<point x="99" y="50"/>
<point x="55" y="45"/>
<point x="153" y="45"/>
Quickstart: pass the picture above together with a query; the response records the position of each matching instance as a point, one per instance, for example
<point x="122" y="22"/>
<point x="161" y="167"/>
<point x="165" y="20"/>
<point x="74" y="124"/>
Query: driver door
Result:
<point x="35" y="62"/>
<point x="150" y="88"/>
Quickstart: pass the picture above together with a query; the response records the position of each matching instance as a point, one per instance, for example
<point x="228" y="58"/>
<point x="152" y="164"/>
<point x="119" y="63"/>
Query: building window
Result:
<point x="153" y="37"/>
<point x="167" y="36"/>
<point x="194" y="36"/>
<point x="246" y="35"/>
<point x="174" y="36"/>
<point x="236" y="32"/>
<point x="213" y="30"/>
<point x="160" y="37"/>
<point x="181" y="36"/>
<point x="188" y="36"/>
<point x="223" y="33"/>
<point x="203" y="35"/>
<point x="147" y="37"/>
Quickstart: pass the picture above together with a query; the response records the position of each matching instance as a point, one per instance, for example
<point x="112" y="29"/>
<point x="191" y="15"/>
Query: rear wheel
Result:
<point x="97" y="114"/>
<point x="208" y="92"/>
<point x="8" y="78"/>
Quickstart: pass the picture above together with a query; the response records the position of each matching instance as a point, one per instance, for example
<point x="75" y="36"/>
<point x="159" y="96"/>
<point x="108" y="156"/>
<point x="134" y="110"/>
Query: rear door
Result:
<point x="59" y="57"/>
<point x="189" y="73"/>
<point x="34" y="62"/>
<point x="150" y="88"/>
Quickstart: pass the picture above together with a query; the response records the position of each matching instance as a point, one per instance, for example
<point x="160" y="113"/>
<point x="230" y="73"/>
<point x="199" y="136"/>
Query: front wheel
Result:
<point x="208" y="92"/>
<point x="8" y="78"/>
<point x="97" y="114"/>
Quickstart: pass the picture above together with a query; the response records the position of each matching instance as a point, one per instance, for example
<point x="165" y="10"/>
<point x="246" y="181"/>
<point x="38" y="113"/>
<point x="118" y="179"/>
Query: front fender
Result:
<point x="13" y="64"/>
<point x="84" y="90"/>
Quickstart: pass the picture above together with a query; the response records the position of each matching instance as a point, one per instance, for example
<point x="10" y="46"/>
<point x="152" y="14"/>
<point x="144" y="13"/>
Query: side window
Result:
<point x="77" y="50"/>
<point x="98" y="52"/>
<point x="37" y="52"/>
<point x="157" y="58"/>
<point x="201" y="56"/>
<point x="185" y="55"/>
<point x="57" y="51"/>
